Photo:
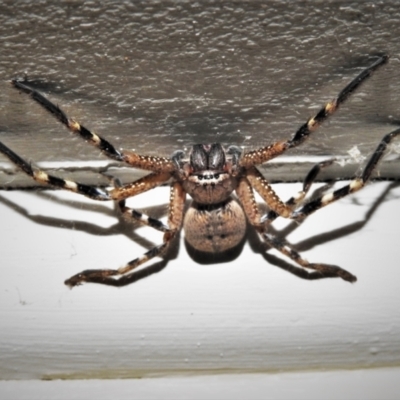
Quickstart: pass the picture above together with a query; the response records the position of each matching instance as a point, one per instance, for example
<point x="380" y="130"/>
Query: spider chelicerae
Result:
<point x="216" y="220"/>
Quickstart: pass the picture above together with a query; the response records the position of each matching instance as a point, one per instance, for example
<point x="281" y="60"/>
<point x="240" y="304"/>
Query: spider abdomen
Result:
<point x="215" y="228"/>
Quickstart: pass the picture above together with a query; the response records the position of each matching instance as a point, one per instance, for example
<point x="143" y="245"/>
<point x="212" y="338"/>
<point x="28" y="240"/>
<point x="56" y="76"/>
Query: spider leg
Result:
<point x="323" y="270"/>
<point x="132" y="214"/>
<point x="264" y="189"/>
<point x="298" y="199"/>
<point x="43" y="177"/>
<point x="246" y="197"/>
<point x="139" y="186"/>
<point x="105" y="147"/>
<point x="143" y="162"/>
<point x="267" y="153"/>
<point x="123" y="276"/>
<point x="353" y="186"/>
<point x="313" y="123"/>
<point x="117" y="193"/>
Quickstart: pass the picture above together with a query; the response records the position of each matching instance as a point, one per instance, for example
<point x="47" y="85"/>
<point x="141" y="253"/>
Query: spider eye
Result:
<point x="204" y="157"/>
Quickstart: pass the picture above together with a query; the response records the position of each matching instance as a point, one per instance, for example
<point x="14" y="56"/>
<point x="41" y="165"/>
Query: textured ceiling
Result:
<point x="160" y="76"/>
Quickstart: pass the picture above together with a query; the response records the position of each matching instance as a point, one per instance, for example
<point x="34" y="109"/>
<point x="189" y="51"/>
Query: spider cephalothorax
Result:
<point x="221" y="184"/>
<point x="210" y="177"/>
<point x="214" y="222"/>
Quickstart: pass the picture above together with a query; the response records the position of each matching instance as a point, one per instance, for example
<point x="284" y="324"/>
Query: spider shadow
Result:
<point x="258" y="246"/>
<point x="120" y="227"/>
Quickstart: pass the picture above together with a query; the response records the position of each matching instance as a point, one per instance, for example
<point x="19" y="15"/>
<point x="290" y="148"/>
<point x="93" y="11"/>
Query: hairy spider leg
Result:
<point x="150" y="163"/>
<point x="123" y="276"/>
<point x="117" y="193"/>
<point x="44" y="178"/>
<point x="133" y="215"/>
<point x="246" y="197"/>
<point x="139" y="186"/>
<point x="296" y="200"/>
<point x="353" y="186"/>
<point x="133" y="189"/>
<point x="74" y="126"/>
<point x="264" y="154"/>
<point x="322" y="270"/>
